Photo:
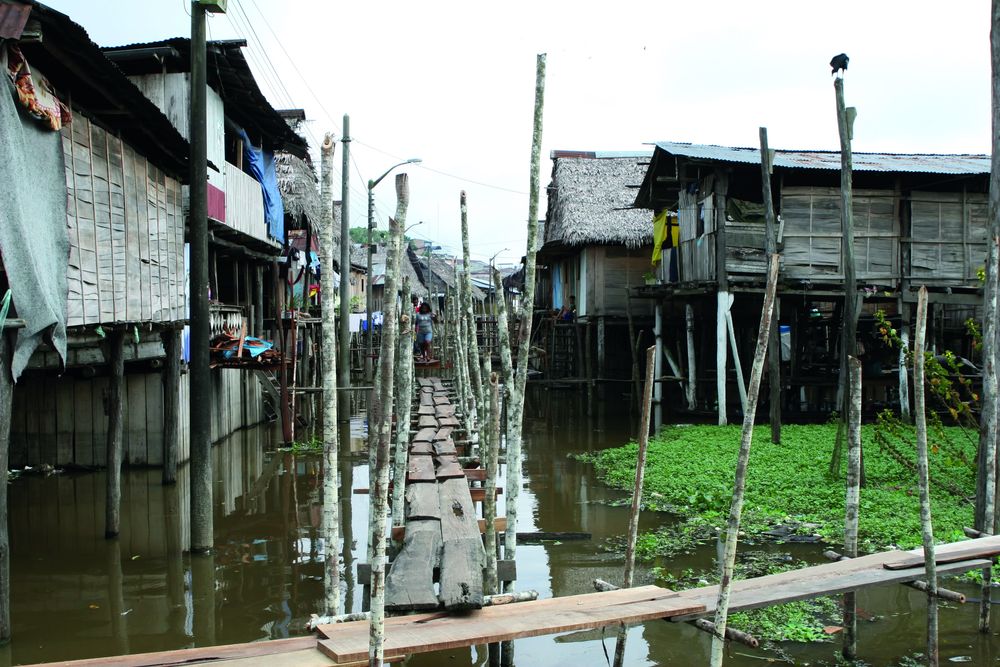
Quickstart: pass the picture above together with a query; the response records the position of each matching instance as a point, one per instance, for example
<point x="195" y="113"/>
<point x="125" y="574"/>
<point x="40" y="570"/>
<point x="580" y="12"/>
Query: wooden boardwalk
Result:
<point x="442" y="540"/>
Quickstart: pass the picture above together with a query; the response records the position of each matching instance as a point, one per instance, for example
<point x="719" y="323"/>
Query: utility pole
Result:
<point x="344" y="363"/>
<point x="202" y="537"/>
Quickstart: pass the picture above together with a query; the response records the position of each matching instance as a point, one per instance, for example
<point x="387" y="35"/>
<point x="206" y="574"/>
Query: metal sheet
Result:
<point x="13" y="17"/>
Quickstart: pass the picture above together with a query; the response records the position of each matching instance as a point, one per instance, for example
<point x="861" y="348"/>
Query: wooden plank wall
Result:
<point x="620" y="267"/>
<point x="62" y="420"/>
<point x="126" y="232"/>
<point x="697" y="241"/>
<point x="947" y="237"/>
<point x="244" y="203"/>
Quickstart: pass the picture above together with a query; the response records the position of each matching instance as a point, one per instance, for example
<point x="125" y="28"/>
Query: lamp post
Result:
<point x="368" y="288"/>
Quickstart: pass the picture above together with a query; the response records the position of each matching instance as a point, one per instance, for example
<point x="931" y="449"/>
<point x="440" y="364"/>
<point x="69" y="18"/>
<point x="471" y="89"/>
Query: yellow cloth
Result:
<point x="663" y="223"/>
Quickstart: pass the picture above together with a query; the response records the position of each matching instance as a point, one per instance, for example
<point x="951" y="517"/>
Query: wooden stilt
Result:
<point x="771" y="247"/>
<point x="6" y="398"/>
<point x="692" y="374"/>
<point x="740" y="384"/>
<point x="850" y="648"/>
<point x="116" y="422"/>
<point x="721" y="359"/>
<point x="171" y="402"/>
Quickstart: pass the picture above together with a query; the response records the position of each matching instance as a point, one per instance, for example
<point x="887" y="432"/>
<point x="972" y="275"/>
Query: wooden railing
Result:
<point x="245" y="204"/>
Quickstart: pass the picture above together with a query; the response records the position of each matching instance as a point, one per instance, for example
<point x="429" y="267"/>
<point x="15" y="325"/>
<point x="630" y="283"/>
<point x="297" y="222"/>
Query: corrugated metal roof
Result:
<point x="830" y="160"/>
<point x="13" y="17"/>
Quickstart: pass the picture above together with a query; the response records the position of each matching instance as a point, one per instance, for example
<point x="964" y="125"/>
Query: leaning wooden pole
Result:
<point x="331" y="441"/>
<point x="986" y="484"/>
<point x="478" y="382"/>
<point x="640" y="474"/>
<point x="516" y="410"/>
<point x="404" y="393"/>
<point x="379" y="497"/>
<point x="850" y="648"/>
<point x="739" y="487"/>
<point x="926" y="524"/>
<point x="770" y="248"/>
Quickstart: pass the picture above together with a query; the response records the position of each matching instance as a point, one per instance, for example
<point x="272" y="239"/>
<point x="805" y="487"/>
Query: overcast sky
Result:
<point x="453" y="82"/>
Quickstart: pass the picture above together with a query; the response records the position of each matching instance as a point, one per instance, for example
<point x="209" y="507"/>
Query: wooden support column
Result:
<point x="771" y="247"/>
<point x="692" y="383"/>
<point x="116" y="422"/>
<point x="171" y="402"/>
<point x="6" y="398"/>
<point x="601" y="351"/>
<point x="904" y="375"/>
<point x="722" y="279"/>
<point x="658" y="370"/>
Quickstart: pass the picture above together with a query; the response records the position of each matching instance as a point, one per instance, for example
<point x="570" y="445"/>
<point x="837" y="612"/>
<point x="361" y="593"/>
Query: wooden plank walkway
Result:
<point x="442" y="537"/>
<point x="420" y="633"/>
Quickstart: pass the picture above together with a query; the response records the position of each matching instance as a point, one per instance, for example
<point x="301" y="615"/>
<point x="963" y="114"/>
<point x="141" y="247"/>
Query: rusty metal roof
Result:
<point x="13" y="17"/>
<point x="830" y="160"/>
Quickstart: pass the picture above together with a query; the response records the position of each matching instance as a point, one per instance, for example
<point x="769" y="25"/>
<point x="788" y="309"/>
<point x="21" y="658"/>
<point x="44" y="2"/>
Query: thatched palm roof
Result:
<point x="300" y="190"/>
<point x="590" y="201"/>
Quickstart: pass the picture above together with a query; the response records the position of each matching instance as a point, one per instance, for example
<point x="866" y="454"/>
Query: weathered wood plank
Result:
<point x="440" y="399"/>
<point x="410" y="583"/>
<point x="448" y="421"/>
<point x="420" y="469"/>
<point x="445" y="448"/>
<point x="427" y="421"/>
<point x="424" y="382"/>
<point x="421" y="633"/>
<point x="426" y="398"/>
<point x="463" y="556"/>
<point x="499" y="525"/>
<point x="449" y="468"/>
<point x="426" y="410"/>
<point x="444" y="433"/>
<point x="421" y="448"/>
<point x="422" y="503"/>
<point x="446" y="410"/>
<point x="425" y="435"/>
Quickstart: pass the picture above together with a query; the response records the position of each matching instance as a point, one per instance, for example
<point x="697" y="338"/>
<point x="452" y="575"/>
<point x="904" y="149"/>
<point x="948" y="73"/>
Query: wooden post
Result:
<point x="661" y="352"/>
<point x="770" y="248"/>
<point x="478" y="382"/>
<point x="171" y="401"/>
<point x="344" y="336"/>
<point x="6" y="398"/>
<point x="601" y="349"/>
<point x="640" y="473"/>
<point x="740" y="384"/>
<point x="904" y="373"/>
<point x="116" y="424"/>
<point x="722" y="298"/>
<point x="383" y="425"/>
<point x="926" y="525"/>
<point x="850" y="648"/>
<point x="736" y="510"/>
<point x="328" y="354"/>
<point x="516" y="411"/>
<point x="692" y="383"/>
<point x="404" y="396"/>
<point x="722" y="307"/>
<point x="490" y="584"/>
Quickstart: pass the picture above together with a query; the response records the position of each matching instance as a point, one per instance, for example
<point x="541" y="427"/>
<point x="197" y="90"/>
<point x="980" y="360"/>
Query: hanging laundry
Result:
<point x="664" y="224"/>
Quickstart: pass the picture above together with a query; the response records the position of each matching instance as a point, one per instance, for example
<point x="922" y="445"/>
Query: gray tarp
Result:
<point x="33" y="238"/>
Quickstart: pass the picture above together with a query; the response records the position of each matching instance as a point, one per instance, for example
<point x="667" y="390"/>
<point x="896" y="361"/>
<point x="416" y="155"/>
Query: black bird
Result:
<point x="839" y="63"/>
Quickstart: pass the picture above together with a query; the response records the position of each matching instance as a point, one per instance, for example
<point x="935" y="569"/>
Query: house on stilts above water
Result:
<point x="918" y="219"/>
<point x="111" y="261"/>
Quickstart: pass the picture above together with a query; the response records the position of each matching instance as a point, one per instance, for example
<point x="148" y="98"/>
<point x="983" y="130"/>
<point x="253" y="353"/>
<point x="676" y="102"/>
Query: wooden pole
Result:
<point x="850" y="648"/>
<point x="987" y="482"/>
<point x="478" y="382"/>
<point x="770" y="248"/>
<point x="379" y="500"/>
<point x="926" y="525"/>
<point x="116" y="424"/>
<point x="404" y="395"/>
<point x="344" y="339"/>
<point x="740" y="384"/>
<point x="721" y="360"/>
<point x="904" y="373"/>
<point x="516" y="411"/>
<point x="692" y="383"/>
<point x="6" y="398"/>
<point x="171" y="402"/>
<point x="490" y="583"/>
<point x="200" y="379"/>
<point x="328" y="354"/>
<point x="736" y="509"/>
<point x="640" y="473"/>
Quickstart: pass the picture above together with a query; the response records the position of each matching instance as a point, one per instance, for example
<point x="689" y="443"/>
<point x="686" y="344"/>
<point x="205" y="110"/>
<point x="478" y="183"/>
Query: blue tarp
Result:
<point x="255" y="346"/>
<point x="261" y="164"/>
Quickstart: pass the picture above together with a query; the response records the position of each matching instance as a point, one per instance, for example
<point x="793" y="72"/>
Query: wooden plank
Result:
<point x="421" y="448"/>
<point x="463" y="556"/>
<point x="441" y="400"/>
<point x="422" y="502"/>
<point x="478" y="495"/>
<point x="420" y="469"/>
<point x="475" y="474"/>
<point x="425" y="435"/>
<point x="448" y="421"/>
<point x="954" y="556"/>
<point x="446" y="410"/>
<point x="444" y="433"/>
<point x="445" y="448"/>
<point x="499" y="525"/>
<point x="409" y="585"/>
<point x="424" y="382"/>
<point x="426" y="410"/>
<point x="64" y="422"/>
<point x="427" y="422"/>
<point x="449" y="468"/>
<point x="426" y="398"/>
<point x="421" y="633"/>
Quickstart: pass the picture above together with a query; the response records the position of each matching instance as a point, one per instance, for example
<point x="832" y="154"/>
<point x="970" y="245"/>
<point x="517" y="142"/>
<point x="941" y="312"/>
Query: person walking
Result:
<point x="425" y="330"/>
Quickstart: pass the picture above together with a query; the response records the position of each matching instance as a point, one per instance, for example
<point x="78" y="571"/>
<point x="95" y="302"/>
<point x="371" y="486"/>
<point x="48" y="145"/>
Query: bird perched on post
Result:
<point x="839" y="63"/>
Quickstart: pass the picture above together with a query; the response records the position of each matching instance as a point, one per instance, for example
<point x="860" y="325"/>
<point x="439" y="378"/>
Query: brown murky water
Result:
<point x="76" y="595"/>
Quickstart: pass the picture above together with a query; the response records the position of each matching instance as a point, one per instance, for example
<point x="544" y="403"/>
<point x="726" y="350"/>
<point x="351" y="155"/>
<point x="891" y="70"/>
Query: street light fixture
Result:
<point x="371" y="251"/>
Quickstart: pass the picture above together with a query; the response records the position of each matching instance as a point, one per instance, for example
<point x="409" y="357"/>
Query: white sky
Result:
<point x="453" y="83"/>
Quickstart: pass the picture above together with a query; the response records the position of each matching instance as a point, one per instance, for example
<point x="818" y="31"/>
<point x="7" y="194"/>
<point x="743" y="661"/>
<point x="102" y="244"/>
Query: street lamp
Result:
<point x="368" y="288"/>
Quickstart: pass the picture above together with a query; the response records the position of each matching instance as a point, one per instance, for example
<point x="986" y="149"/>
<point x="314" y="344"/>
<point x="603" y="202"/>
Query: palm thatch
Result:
<point x="299" y="191"/>
<point x="590" y="201"/>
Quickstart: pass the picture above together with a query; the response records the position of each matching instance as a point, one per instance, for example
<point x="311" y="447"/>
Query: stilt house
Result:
<point x="595" y="249"/>
<point x="918" y="220"/>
